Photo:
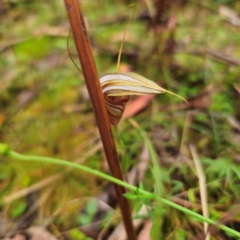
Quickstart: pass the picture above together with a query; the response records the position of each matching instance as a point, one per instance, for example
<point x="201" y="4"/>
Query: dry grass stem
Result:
<point x="203" y="188"/>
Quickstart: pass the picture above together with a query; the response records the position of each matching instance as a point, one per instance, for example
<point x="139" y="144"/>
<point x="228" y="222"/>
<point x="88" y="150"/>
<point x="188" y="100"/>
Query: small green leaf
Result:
<point x="92" y="207"/>
<point x="131" y="196"/>
<point x="236" y="171"/>
<point x="148" y="197"/>
<point x="147" y="202"/>
<point x="177" y="186"/>
<point x="18" y="209"/>
<point x="141" y="185"/>
<point x="150" y="214"/>
<point x="76" y="234"/>
<point x="191" y="195"/>
<point x="138" y="207"/>
<point x="84" y="219"/>
<point x="4" y="149"/>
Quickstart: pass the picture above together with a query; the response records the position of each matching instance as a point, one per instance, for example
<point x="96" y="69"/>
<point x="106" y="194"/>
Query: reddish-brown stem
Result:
<point x="82" y="42"/>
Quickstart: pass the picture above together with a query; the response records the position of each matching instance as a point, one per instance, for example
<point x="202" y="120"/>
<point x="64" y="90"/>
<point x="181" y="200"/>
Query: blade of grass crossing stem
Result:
<point x="5" y="151"/>
<point x="159" y="187"/>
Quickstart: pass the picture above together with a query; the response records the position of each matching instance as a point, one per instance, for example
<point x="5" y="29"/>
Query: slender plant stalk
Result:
<point x="6" y="151"/>
<point x="82" y="42"/>
<point x="202" y="187"/>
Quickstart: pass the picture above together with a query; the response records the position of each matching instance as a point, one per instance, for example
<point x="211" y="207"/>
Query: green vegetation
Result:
<point x="45" y="111"/>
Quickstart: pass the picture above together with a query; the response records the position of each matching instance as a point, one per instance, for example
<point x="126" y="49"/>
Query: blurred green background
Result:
<point x="190" y="48"/>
